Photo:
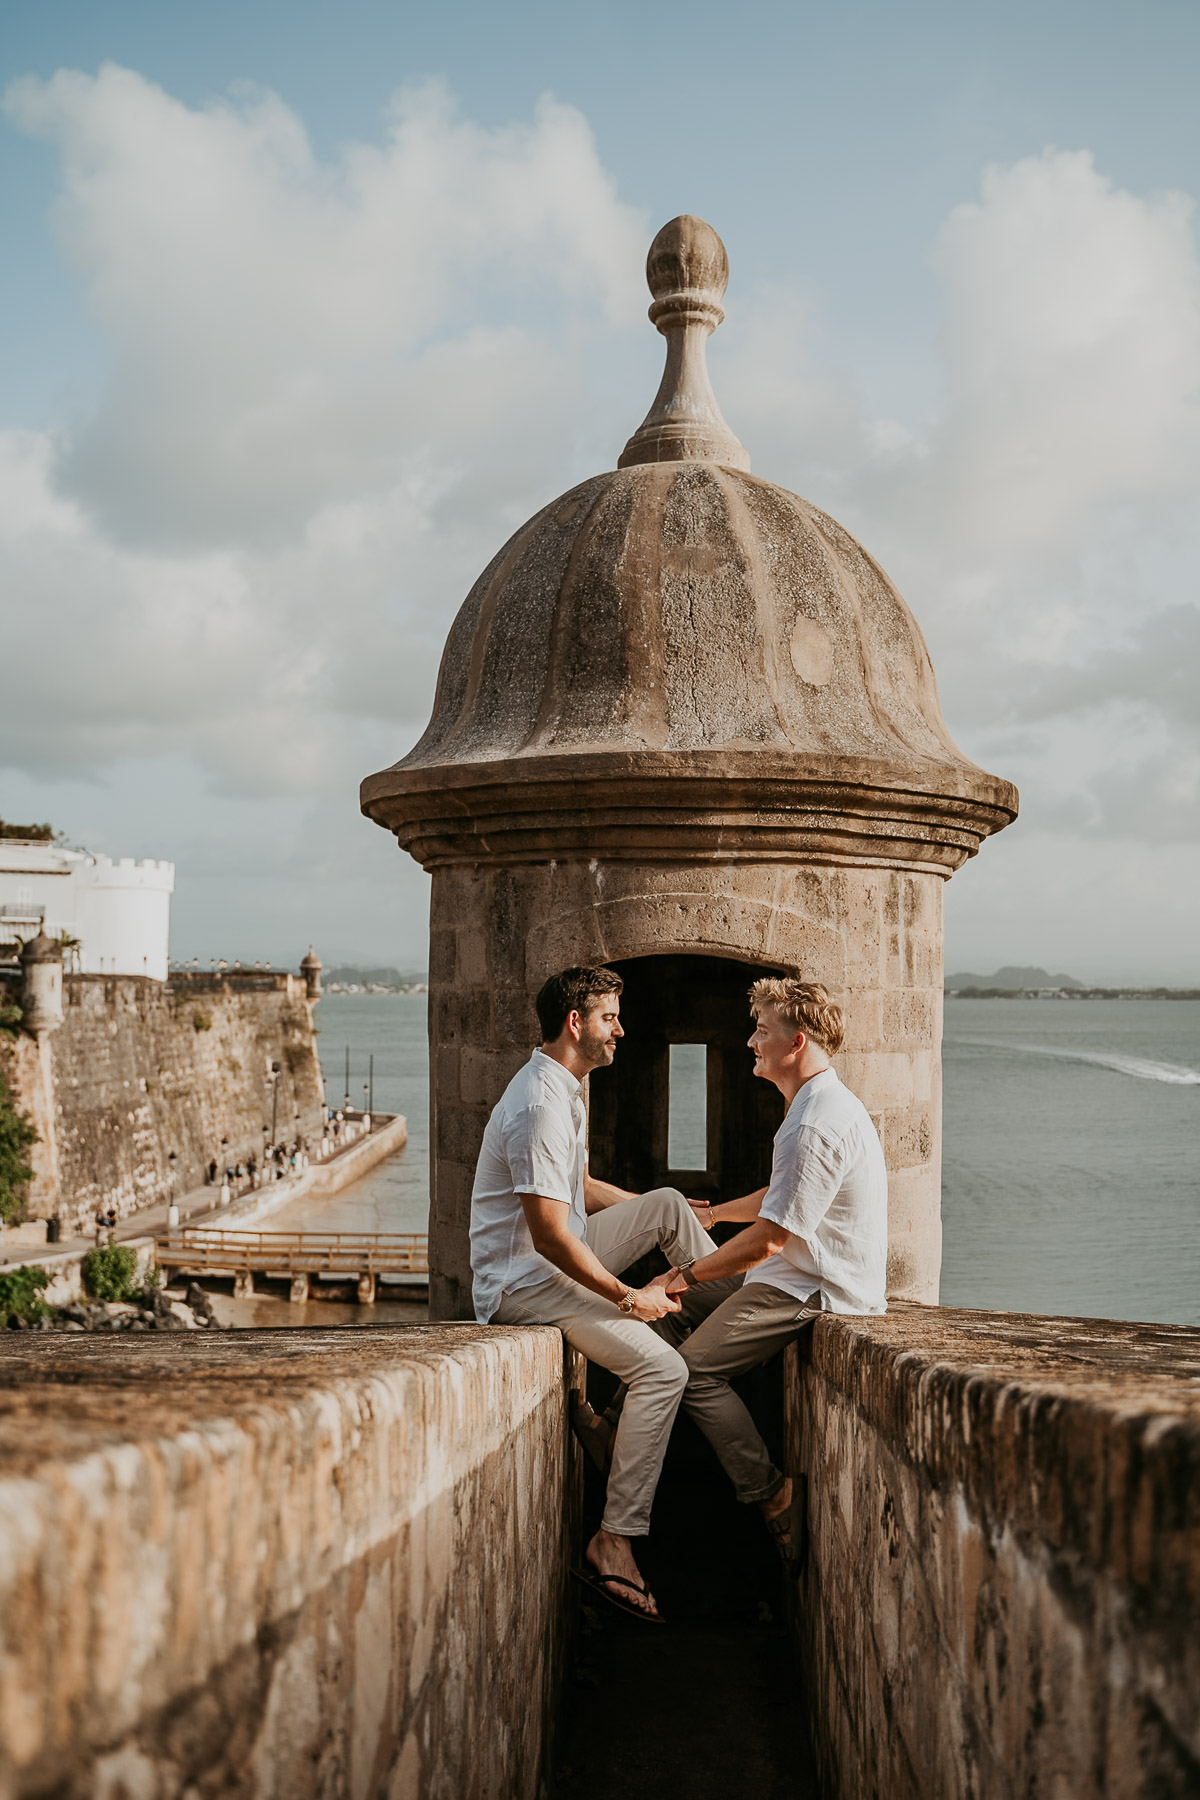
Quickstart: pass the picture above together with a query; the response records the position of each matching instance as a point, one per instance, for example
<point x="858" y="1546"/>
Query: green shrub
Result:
<point x="201" y="1021"/>
<point x="21" y="1295"/>
<point x="109" y="1274"/>
<point x="16" y="1136"/>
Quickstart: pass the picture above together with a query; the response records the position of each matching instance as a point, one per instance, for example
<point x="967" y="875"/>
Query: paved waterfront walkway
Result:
<point x="195" y="1208"/>
<point x="709" y="1705"/>
<point x="199" y="1206"/>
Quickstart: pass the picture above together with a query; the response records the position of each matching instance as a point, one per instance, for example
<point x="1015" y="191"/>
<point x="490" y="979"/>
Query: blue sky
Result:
<point x="964" y="314"/>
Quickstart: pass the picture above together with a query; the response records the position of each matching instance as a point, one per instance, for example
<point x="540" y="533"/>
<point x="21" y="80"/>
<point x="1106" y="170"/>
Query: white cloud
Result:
<point x="336" y="387"/>
<point x="327" y="406"/>
<point x="279" y="326"/>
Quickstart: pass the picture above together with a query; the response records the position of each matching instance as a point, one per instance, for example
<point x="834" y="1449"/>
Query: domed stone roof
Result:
<point x="681" y="649"/>
<point x="41" y="949"/>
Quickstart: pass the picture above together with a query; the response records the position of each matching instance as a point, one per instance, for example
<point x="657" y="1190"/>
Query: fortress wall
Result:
<point x="140" y="1068"/>
<point x="269" y="1565"/>
<point x="1002" y="1588"/>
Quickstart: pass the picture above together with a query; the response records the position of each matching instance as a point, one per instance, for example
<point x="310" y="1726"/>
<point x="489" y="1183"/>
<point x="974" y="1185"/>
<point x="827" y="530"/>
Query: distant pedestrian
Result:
<point x="211" y="1172"/>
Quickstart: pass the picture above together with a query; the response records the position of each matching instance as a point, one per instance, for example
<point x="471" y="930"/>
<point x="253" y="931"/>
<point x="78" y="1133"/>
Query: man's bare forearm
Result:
<point x="574" y="1256"/>
<point x="738" y="1212"/>
<point x="599" y="1194"/>
<point x="745" y="1251"/>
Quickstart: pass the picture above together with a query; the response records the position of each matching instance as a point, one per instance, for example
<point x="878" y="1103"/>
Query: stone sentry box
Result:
<point x="684" y="715"/>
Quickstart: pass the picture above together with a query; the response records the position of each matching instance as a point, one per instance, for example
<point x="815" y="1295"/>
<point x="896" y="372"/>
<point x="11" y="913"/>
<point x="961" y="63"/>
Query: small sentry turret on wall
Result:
<point x="686" y="726"/>
<point x="311" y="968"/>
<point x="41" y="985"/>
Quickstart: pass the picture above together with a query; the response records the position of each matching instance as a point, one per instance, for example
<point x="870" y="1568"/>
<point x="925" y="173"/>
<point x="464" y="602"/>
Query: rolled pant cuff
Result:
<point x="625" y="1528"/>
<point x="755" y="1496"/>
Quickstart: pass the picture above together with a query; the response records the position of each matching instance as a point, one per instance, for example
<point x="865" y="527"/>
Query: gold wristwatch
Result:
<point x="627" y="1304"/>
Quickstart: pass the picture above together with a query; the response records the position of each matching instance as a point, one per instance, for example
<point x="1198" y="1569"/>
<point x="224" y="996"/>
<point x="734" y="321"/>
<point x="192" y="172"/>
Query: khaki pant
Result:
<point x="723" y="1329"/>
<point x="652" y="1370"/>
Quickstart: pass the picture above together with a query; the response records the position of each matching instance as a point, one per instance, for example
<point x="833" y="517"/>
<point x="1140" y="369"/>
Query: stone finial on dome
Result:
<point x="687" y="271"/>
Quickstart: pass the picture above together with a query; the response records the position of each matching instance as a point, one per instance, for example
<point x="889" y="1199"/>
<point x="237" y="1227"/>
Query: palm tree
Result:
<point x="71" y="946"/>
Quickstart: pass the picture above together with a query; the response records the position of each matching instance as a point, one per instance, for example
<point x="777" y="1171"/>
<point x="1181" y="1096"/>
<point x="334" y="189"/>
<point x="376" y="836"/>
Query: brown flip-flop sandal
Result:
<point x="594" y="1433"/>
<point x="592" y="1578"/>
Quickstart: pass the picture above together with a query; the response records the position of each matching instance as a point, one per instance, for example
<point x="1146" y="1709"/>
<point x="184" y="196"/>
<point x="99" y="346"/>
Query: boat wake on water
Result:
<point x="1141" y="1068"/>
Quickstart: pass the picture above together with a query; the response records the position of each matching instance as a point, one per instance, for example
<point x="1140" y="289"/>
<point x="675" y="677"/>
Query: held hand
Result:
<point x="671" y="1283"/>
<point x="704" y="1213"/>
<point x="653" y="1301"/>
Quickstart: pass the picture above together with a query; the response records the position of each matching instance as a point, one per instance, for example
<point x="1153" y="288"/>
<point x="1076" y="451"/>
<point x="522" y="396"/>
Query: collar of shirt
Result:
<point x="813" y="1085"/>
<point x="572" y="1088"/>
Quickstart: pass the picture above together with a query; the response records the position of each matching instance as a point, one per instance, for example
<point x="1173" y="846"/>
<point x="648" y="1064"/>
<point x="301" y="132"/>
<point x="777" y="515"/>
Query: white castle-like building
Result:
<point x="119" y="911"/>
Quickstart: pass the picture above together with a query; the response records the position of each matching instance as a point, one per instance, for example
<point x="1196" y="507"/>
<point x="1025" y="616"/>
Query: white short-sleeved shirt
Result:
<point x="829" y="1189"/>
<point x="535" y="1143"/>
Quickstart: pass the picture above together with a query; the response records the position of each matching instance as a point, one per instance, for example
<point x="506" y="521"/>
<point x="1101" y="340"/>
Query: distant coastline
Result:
<point x="1025" y="981"/>
<point x="1071" y="993"/>
<point x="349" y="979"/>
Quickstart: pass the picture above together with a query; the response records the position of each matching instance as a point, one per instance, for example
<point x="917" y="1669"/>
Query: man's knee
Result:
<point x="664" y="1368"/>
<point x="668" y="1200"/>
<point x="705" y="1359"/>
<point x="670" y="1208"/>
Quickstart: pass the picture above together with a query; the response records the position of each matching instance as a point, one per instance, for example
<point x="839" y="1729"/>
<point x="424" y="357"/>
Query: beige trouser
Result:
<point x="722" y="1329"/>
<point x="652" y="1370"/>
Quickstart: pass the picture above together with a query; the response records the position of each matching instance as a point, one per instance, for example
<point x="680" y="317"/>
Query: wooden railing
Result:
<point x="348" y="1253"/>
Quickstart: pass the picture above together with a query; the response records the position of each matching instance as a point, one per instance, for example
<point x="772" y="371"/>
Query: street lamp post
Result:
<point x="276" y="1071"/>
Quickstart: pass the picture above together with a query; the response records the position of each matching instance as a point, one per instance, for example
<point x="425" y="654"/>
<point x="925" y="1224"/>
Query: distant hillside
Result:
<point x="1012" y="977"/>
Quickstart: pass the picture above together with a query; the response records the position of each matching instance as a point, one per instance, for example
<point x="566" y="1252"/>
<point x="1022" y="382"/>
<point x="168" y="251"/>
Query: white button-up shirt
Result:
<point x="828" y="1189"/>
<point x="535" y="1143"/>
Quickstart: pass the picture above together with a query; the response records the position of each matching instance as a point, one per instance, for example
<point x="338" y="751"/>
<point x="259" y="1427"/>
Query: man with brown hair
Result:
<point x="816" y="1240"/>
<point x="549" y="1242"/>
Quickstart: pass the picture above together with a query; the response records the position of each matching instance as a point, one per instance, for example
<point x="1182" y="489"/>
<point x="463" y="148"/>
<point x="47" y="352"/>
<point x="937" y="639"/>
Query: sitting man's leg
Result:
<point x="661" y="1219"/>
<point x="750" y="1326"/>
<point x="654" y="1375"/>
<point x="623" y="1233"/>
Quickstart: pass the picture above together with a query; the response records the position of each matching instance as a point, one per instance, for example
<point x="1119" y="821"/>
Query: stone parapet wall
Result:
<point x="1002" y="1589"/>
<point x="272" y="1565"/>
<point x="141" y="1068"/>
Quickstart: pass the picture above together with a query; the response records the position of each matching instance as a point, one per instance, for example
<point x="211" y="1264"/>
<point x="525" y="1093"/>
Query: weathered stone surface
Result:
<point x="683" y="712"/>
<point x="1002" y="1591"/>
<point x="142" y="1068"/>
<point x="872" y="935"/>
<point x="280" y="1564"/>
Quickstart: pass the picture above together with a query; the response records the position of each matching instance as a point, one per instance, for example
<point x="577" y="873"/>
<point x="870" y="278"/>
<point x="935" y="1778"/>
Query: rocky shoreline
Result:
<point x="165" y="1309"/>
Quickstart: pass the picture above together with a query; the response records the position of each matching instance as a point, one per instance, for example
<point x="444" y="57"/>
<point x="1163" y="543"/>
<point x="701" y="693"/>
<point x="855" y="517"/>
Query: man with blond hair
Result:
<point x="815" y="1241"/>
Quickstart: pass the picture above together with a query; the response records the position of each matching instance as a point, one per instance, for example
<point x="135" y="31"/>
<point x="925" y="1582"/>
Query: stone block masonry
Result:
<point x="278" y="1565"/>
<point x="142" y="1068"/>
<point x="1002" y="1589"/>
<point x="292" y="1564"/>
<point x="873" y="936"/>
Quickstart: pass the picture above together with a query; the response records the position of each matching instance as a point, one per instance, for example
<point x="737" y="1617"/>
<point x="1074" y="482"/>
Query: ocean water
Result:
<point x="1071" y="1134"/>
<point x="1071" y="1157"/>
